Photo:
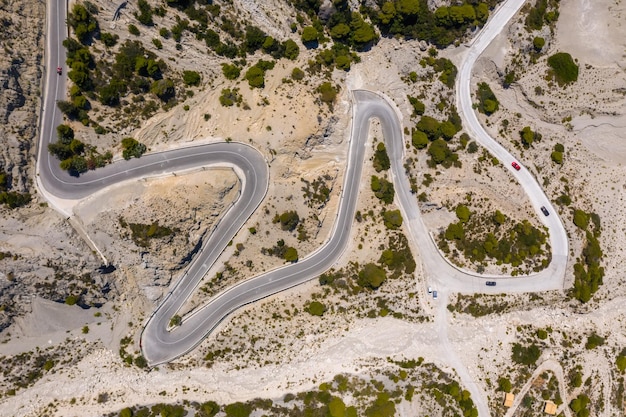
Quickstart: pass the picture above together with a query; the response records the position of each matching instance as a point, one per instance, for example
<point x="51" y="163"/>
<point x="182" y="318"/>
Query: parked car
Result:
<point x="430" y="290"/>
<point x="435" y="295"/>
<point x="515" y="165"/>
<point x="59" y="70"/>
<point x="491" y="283"/>
<point x="545" y="211"/>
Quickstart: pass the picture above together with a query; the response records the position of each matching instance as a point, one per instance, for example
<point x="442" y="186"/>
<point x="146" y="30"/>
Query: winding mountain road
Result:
<point x="161" y="344"/>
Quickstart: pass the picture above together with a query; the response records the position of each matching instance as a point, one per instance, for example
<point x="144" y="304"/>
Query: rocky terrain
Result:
<point x="69" y="332"/>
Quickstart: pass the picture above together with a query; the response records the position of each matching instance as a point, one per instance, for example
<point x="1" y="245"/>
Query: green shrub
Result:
<point x="392" y="219"/>
<point x="316" y="308"/>
<point x="328" y="92"/>
<point x="176" y="320"/>
<point x="525" y="355"/>
<point x="581" y="219"/>
<point x="528" y="136"/>
<point x="419" y="139"/>
<point x="463" y="213"/>
<point x="231" y="72"/>
<point x="288" y="220"/>
<point x="145" y="13"/>
<point x="620" y="362"/>
<point x="487" y="101"/>
<point x="382" y="189"/>
<point x="132" y="148"/>
<point x="109" y="39"/>
<point x="309" y="36"/>
<point x="381" y="159"/>
<point x="71" y="300"/>
<point x="557" y="157"/>
<point x="238" y="409"/>
<point x="504" y="384"/>
<point x="372" y="276"/>
<point x="539" y="43"/>
<point x="593" y="341"/>
<point x="163" y="89"/>
<point x="564" y="68"/>
<point x="291" y="254"/>
<point x="230" y="97"/>
<point x="191" y="78"/>
<point x="133" y="30"/>
<point x="418" y="107"/>
<point x="297" y="74"/>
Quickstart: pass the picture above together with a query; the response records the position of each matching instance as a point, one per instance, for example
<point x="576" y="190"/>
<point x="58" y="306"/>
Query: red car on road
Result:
<point x="515" y="165"/>
<point x="59" y="70"/>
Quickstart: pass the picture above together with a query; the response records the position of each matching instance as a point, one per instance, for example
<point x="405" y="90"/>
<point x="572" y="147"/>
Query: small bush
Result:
<point x="593" y="341"/>
<point x="191" y="78"/>
<point x="316" y="308"/>
<point x="133" y="30"/>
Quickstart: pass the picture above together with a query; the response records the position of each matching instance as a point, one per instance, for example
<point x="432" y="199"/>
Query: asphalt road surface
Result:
<point x="161" y="344"/>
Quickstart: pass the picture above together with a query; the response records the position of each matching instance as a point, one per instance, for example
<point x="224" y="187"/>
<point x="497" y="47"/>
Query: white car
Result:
<point x="430" y="290"/>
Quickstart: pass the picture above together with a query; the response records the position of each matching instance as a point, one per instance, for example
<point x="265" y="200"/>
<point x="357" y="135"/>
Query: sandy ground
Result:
<point x="594" y="163"/>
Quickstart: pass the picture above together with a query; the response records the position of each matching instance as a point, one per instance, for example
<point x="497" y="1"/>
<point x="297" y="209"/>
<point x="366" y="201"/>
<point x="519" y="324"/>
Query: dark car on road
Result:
<point x="515" y="165"/>
<point x="491" y="283"/>
<point x="59" y="70"/>
<point x="545" y="211"/>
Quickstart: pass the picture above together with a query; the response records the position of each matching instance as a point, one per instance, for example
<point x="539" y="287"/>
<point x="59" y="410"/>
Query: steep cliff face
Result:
<point x="21" y="40"/>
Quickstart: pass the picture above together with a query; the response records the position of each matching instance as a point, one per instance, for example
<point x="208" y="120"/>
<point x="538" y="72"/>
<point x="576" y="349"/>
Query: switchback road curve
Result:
<point x="162" y="345"/>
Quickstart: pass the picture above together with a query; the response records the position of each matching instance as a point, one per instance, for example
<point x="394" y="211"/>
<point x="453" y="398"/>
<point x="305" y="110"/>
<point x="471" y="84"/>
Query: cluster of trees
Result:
<point x="281" y="250"/>
<point x="398" y="257"/>
<point x="588" y="273"/>
<point x="557" y="153"/>
<point x="436" y="135"/>
<point x="83" y="22"/>
<point x="239" y="42"/>
<point x="131" y="148"/>
<point x="381" y="159"/>
<point x="541" y="14"/>
<point x="230" y="97"/>
<point x="487" y="101"/>
<point x="525" y="355"/>
<point x="288" y="220"/>
<point x="328" y="93"/>
<point x="343" y="25"/>
<point x="256" y="73"/>
<point x="75" y="156"/>
<point x="460" y="396"/>
<point x="519" y="244"/>
<point x="564" y="69"/>
<point x="11" y="199"/>
<point x="382" y="189"/>
<point x="444" y="67"/>
<point x="413" y="19"/>
<point x="580" y="405"/>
